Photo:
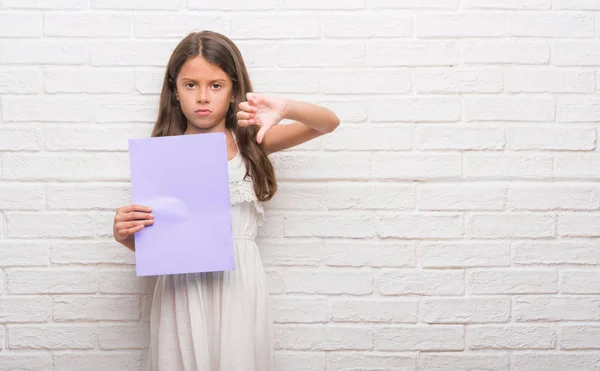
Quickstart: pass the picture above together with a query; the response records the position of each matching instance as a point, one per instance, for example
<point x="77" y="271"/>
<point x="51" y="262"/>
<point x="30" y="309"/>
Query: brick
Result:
<point x="275" y="282"/>
<point x="259" y="54"/>
<point x="300" y="309"/>
<point x="579" y="337"/>
<point x="419" y="338"/>
<point x="554" y="197"/>
<point x="20" y="139"/>
<point x="576" y="53"/>
<point x="327" y="225"/>
<point x="86" y="196"/>
<point x="366" y="25"/>
<point x="348" y="282"/>
<point x="329" y="337"/>
<point x="52" y="336"/>
<point x="52" y="225"/>
<point x="88" y="80"/>
<point x="420" y="226"/>
<point x="288" y="253"/>
<point x="373" y="254"/>
<point x="90" y="252"/>
<point x="125" y="336"/>
<point x="379" y="138"/>
<point x="580" y="166"/>
<point x="119" y="281"/>
<point x="20" y="24"/>
<point x="576" y="5"/>
<point x="556" y="308"/>
<point x="349" y="111"/>
<point x="130" y="52"/>
<point x="344" y="196"/>
<point x="511" y="337"/>
<point x="138" y="4"/>
<point x="34" y="51"/>
<point x="509" y="4"/>
<point x="27" y="360"/>
<point x="460" y="25"/>
<point x="300" y="361"/>
<point x="288" y="81"/>
<point x="365" y="82"/>
<point x="579" y="225"/>
<point x="373" y="310"/>
<point x="321" y="54"/>
<point x="578" y="109"/>
<point x="411" y="4"/>
<point x="505" y="52"/>
<point x="64" y="167"/>
<point x="19" y="196"/>
<point x="412" y="53"/>
<point x="230" y="5"/>
<point x="451" y="197"/>
<point x="20" y="80"/>
<point x="511" y="225"/>
<point x="559" y="252"/>
<point x="48" y="108"/>
<point x="15" y="253"/>
<point x="122" y="361"/>
<point x="420" y="109"/>
<point x="454" y="137"/>
<point x="552" y="361"/>
<point x="580" y="281"/>
<point x="87" y="25"/>
<point x="457" y="80"/>
<point x="463" y="254"/>
<point x="507" y="166"/>
<point x="253" y="26"/>
<point x="509" y="108"/>
<point x="42" y="4"/>
<point x="148" y="80"/>
<point x="551" y="138"/>
<point x="550" y="25"/>
<point x="512" y="281"/>
<point x="14" y="309"/>
<point x="420" y="282"/>
<point x="119" y="109"/>
<point x="331" y="166"/>
<point x="163" y="25"/>
<point x="464" y="310"/>
<point x="95" y="308"/>
<point x="416" y="166"/>
<point x="51" y="281"/>
<point x="548" y="81"/>
<point x="340" y="361"/>
<point x="315" y="4"/>
<point x="463" y="361"/>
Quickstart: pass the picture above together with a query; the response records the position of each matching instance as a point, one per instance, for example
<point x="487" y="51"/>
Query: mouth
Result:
<point x="202" y="112"/>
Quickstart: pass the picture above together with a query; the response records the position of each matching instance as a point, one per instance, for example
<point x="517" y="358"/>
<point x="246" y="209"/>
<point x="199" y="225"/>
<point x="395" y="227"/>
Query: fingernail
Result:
<point x="152" y="215"/>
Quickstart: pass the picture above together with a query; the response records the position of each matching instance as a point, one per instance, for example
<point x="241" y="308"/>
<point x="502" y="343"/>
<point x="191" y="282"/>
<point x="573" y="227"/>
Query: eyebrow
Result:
<point x="194" y="80"/>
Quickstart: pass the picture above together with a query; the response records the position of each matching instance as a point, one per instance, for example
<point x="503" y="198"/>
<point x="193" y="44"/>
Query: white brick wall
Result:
<point x="450" y="224"/>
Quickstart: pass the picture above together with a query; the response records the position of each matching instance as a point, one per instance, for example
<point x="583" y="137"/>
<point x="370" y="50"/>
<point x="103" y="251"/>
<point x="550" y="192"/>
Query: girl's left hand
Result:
<point x="263" y="111"/>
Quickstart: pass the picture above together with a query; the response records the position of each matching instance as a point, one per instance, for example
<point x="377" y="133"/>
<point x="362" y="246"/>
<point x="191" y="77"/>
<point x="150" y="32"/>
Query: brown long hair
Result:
<point x="222" y="52"/>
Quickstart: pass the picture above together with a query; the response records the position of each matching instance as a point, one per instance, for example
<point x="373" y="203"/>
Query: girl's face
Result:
<point x="205" y="94"/>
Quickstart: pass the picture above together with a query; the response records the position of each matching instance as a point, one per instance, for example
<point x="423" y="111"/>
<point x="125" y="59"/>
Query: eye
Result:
<point x="190" y="85"/>
<point x="216" y="86"/>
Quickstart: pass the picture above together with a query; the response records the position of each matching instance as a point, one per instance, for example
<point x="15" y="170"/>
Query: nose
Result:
<point x="202" y="96"/>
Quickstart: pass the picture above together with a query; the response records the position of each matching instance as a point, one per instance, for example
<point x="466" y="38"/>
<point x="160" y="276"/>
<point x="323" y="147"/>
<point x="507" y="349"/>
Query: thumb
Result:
<point x="261" y="134"/>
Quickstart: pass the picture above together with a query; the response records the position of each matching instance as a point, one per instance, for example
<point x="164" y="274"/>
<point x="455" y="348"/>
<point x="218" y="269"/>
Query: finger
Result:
<point x="134" y="207"/>
<point x="126" y="225"/>
<point x="261" y="134"/>
<point x="247" y="107"/>
<point x="134" y="215"/>
<point x="241" y="115"/>
<point x="128" y="232"/>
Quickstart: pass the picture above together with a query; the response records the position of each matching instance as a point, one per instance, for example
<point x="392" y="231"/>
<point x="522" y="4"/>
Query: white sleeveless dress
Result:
<point x="218" y="321"/>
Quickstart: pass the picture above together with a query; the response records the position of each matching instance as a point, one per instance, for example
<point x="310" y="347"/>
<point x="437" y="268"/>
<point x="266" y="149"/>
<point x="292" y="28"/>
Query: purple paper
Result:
<point x="184" y="179"/>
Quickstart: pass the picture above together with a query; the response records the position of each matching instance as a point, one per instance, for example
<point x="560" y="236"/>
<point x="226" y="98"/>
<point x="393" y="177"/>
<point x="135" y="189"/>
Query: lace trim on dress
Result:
<point x="243" y="191"/>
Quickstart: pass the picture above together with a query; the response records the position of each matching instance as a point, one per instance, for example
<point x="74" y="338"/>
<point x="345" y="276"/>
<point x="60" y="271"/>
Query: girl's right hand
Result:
<point x="131" y="219"/>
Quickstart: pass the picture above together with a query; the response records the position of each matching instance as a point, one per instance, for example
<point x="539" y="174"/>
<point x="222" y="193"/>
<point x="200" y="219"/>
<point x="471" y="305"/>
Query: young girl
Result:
<point x="220" y="321"/>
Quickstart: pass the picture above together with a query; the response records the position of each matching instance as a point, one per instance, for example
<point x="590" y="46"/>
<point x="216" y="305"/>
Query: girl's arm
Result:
<point x="311" y="121"/>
